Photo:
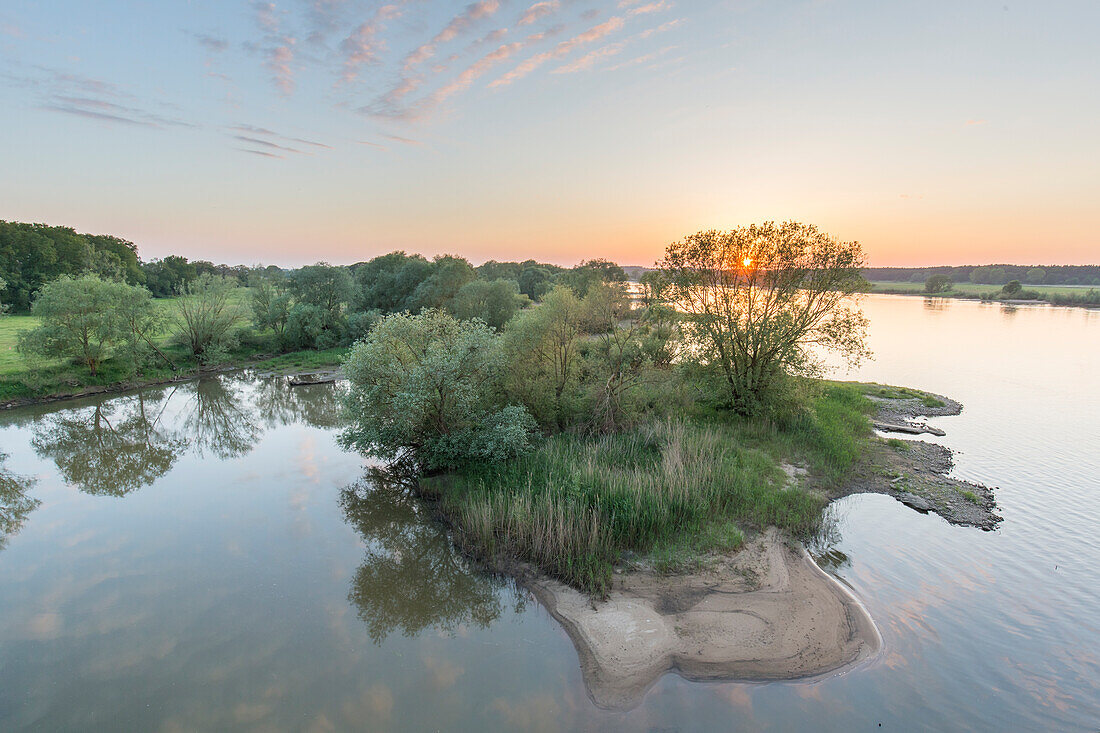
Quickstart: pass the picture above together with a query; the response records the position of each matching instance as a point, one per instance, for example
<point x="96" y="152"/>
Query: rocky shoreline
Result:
<point x="916" y="472"/>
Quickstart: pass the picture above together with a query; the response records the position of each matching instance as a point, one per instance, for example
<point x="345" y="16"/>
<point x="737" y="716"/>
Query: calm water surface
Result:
<point x="205" y="557"/>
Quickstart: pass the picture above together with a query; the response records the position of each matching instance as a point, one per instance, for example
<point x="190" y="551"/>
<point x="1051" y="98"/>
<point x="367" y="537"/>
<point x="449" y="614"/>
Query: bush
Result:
<point x="1011" y="289"/>
<point x="937" y="284"/>
<point x="425" y="390"/>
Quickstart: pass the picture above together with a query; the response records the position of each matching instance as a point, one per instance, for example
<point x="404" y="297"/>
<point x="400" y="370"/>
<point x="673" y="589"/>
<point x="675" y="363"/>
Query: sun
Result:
<point x="747" y="262"/>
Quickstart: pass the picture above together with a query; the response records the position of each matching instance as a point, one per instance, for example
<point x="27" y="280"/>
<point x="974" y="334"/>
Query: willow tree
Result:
<point x="764" y="302"/>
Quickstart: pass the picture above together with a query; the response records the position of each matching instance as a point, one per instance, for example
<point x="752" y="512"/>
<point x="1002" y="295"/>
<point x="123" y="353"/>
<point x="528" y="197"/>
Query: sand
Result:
<point x="766" y="613"/>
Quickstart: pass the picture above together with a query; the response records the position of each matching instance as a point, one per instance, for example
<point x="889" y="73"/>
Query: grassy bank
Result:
<point x="23" y="379"/>
<point x="671" y="491"/>
<point x="1055" y="294"/>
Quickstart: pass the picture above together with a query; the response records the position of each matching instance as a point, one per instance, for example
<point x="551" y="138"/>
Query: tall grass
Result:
<point x="574" y="505"/>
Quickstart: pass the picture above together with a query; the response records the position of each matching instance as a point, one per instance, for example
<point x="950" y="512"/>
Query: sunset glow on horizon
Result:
<point x="293" y="131"/>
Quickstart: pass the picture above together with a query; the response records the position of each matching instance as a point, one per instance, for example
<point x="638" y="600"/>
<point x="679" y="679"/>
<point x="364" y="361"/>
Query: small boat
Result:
<point x="300" y="380"/>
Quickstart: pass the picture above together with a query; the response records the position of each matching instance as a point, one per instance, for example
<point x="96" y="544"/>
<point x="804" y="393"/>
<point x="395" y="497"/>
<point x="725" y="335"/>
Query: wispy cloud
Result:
<point x="82" y="96"/>
<point x="975" y="122"/>
<point x="278" y="49"/>
<point x="589" y="59"/>
<point x="538" y="11"/>
<point x="472" y="13"/>
<point x="564" y="48"/>
<point x="362" y="45"/>
<point x="649" y="8"/>
<point x="402" y="140"/>
<point x="211" y="43"/>
<point x="661" y="28"/>
<point x="95" y="114"/>
<point x="253" y="134"/>
<point x="265" y="143"/>
<point x="261" y="152"/>
<point x="643" y="59"/>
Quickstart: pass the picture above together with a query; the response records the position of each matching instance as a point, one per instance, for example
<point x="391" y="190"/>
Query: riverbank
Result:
<point x="1064" y="295"/>
<point x="17" y="394"/>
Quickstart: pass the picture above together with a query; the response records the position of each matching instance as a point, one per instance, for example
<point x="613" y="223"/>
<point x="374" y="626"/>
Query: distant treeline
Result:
<point x="992" y="274"/>
<point x="32" y="255"/>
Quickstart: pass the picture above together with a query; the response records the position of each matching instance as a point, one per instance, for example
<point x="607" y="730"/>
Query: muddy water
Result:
<point x="206" y="557"/>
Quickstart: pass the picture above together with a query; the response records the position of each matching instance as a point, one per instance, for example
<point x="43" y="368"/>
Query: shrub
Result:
<point x="425" y="390"/>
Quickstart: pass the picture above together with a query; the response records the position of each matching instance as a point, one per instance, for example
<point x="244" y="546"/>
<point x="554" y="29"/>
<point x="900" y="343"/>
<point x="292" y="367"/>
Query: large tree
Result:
<point x="762" y="299"/>
<point x="85" y="319"/>
<point x="207" y="314"/>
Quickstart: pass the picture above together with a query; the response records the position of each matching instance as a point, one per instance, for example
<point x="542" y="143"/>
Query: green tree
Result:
<point x="654" y="283"/>
<point x="493" y="302"/>
<point x="535" y="281"/>
<point x="207" y="313"/>
<point x="169" y="276"/>
<point x="1035" y="276"/>
<point x="270" y="300"/>
<point x="448" y="275"/>
<point x="938" y="283"/>
<point x="759" y="299"/>
<point x="1012" y="288"/>
<point x="543" y="349"/>
<point x="80" y="318"/>
<point x="387" y="283"/>
<point x="591" y="272"/>
<point x="319" y="317"/>
<point x="424" y="389"/>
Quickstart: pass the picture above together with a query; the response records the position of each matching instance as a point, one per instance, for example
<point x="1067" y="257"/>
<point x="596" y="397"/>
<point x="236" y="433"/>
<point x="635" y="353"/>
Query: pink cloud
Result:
<point x="587" y="61"/>
<point x="537" y="11"/>
<point x="361" y="46"/>
<point x="473" y="12"/>
<point x="562" y="49"/>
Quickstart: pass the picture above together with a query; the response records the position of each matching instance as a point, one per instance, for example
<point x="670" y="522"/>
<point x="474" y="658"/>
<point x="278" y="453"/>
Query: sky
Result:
<point x="292" y="131"/>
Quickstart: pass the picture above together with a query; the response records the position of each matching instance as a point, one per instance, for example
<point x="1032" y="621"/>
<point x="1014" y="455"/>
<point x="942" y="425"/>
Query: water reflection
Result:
<point x="316" y="405"/>
<point x="15" y="505"/>
<point x="117" y="445"/>
<point x="412" y="578"/>
<point x="112" y="448"/>
<point x="824" y="545"/>
<point x="218" y="419"/>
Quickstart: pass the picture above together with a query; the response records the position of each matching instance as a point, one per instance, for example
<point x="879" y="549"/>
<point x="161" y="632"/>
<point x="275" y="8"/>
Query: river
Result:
<point x="204" y="556"/>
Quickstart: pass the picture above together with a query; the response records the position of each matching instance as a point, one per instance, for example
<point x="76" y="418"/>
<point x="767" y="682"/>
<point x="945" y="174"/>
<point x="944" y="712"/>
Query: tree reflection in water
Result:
<point x="113" y="447"/>
<point x="15" y="505"/>
<point x="413" y="578"/>
<point x="823" y="544"/>
<point x="121" y="444"/>
<point x="218" y="419"/>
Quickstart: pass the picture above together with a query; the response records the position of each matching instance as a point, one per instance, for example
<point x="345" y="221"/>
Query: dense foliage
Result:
<point x="425" y="390"/>
<point x="32" y="255"/>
